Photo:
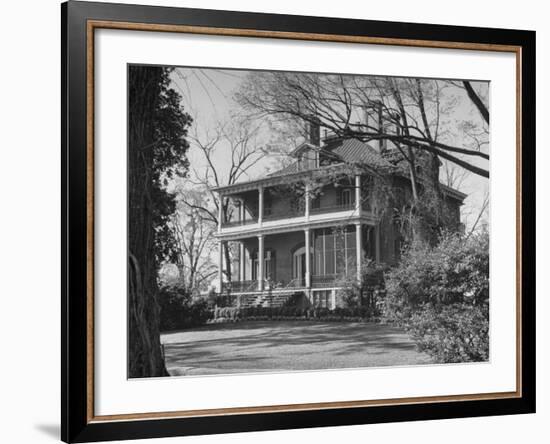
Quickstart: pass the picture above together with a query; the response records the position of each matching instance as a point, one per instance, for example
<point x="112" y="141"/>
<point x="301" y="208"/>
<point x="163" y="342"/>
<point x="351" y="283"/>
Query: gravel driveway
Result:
<point x="271" y="346"/>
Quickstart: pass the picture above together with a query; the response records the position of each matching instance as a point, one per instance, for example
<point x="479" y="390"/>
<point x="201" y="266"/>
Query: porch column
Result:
<point x="377" y="242"/>
<point x="261" y="262"/>
<point x="260" y="205"/>
<point x="307" y="201"/>
<point x="308" y="258"/>
<point x="358" y="205"/>
<point x="220" y="266"/>
<point x="359" y="248"/>
<point x="241" y="210"/>
<point x="220" y="212"/>
<point x="241" y="262"/>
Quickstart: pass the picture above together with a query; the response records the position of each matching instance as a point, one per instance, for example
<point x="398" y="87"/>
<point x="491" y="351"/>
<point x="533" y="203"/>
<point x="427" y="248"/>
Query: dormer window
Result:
<point x="309" y="159"/>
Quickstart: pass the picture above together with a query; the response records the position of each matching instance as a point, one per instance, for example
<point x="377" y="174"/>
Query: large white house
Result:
<point x="294" y="239"/>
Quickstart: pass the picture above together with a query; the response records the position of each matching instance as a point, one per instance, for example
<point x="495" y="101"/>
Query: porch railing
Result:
<point x="240" y="286"/>
<point x="269" y="215"/>
<point x="332" y="208"/>
<point x="239" y="223"/>
<point x="323" y="281"/>
<point x="252" y="285"/>
<point x="296" y="283"/>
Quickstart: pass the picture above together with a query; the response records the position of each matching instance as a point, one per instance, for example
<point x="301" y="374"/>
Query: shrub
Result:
<point x="178" y="310"/>
<point x="454" y="333"/>
<point x="232" y="314"/>
<point x="362" y="297"/>
<point x="441" y="295"/>
<point x="454" y="271"/>
<point x="297" y="300"/>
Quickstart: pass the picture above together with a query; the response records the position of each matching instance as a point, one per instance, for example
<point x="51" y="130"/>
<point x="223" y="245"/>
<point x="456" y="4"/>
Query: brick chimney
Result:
<point x="314" y="134"/>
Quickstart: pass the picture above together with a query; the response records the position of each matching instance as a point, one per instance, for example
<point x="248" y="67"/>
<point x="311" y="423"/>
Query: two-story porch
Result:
<point x="312" y="243"/>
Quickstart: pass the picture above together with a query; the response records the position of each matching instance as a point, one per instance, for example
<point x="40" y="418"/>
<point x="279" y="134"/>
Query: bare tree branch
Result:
<point x="476" y="101"/>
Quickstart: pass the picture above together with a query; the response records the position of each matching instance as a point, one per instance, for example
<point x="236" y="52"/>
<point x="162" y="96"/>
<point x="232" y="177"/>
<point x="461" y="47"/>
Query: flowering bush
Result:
<point x="441" y="295"/>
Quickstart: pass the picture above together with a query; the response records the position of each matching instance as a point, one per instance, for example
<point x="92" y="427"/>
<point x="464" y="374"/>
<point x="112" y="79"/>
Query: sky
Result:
<point x="207" y="95"/>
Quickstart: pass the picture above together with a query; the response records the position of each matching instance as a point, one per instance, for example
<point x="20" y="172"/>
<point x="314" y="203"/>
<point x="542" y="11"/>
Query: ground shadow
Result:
<point x="51" y="430"/>
<point x="288" y="345"/>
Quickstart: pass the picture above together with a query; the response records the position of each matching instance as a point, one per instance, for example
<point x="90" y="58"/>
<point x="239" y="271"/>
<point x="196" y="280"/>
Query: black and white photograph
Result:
<point x="296" y="221"/>
<point x="263" y="222"/>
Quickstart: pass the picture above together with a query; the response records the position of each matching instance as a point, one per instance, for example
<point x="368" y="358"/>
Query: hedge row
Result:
<point x="328" y="318"/>
<point x="284" y="313"/>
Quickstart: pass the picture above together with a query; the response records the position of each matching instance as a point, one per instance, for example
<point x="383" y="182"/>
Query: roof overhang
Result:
<point x="458" y="195"/>
<point x="286" y="178"/>
<point x="447" y="190"/>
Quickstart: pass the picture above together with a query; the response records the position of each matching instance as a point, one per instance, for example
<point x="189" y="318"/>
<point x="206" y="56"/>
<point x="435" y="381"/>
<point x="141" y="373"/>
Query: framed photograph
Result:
<point x="275" y="221"/>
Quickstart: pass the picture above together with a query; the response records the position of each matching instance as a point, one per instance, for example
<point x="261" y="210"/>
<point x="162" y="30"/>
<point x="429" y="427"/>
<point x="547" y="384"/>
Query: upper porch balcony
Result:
<point x="276" y="205"/>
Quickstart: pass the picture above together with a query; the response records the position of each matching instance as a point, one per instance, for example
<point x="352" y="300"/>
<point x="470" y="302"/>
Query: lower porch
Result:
<point x="335" y="260"/>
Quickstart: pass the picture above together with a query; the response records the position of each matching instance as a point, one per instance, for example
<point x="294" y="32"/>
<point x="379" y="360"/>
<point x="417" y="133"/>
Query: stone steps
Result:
<point x="265" y="299"/>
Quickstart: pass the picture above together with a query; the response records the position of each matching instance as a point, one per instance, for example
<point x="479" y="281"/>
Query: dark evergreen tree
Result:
<point x="157" y="147"/>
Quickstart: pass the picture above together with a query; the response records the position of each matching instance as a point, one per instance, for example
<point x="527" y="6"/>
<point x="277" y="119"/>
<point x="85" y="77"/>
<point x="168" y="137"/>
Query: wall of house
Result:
<point x="250" y="199"/>
<point x="389" y="232"/>
<point x="328" y="196"/>
<point x="453" y="209"/>
<point x="284" y="202"/>
<point x="281" y="202"/>
<point x="282" y="245"/>
<point x="389" y="237"/>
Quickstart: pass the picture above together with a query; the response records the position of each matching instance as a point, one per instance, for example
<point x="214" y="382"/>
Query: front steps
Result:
<point x="265" y="299"/>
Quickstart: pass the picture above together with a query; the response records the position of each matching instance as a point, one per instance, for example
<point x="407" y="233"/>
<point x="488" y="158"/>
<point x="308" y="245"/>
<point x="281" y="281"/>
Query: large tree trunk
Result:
<point x="144" y="349"/>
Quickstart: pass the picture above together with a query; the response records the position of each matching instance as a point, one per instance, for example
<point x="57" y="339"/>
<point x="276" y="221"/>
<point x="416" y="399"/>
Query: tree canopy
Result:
<point x="409" y="112"/>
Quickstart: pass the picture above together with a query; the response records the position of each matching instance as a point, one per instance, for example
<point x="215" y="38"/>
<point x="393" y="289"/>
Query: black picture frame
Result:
<point x="76" y="423"/>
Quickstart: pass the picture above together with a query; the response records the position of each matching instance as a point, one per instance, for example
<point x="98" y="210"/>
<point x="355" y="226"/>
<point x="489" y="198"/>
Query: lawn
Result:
<point x="286" y="345"/>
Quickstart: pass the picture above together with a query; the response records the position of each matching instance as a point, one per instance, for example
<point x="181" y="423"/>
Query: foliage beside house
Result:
<point x="441" y="295"/>
<point x="179" y="310"/>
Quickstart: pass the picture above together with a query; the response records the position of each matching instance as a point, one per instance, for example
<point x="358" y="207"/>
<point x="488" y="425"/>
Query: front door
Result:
<point x="299" y="266"/>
